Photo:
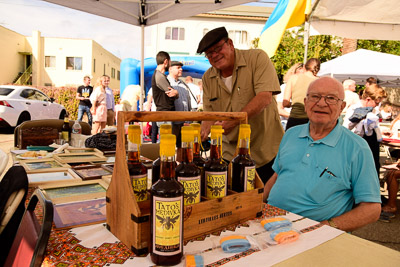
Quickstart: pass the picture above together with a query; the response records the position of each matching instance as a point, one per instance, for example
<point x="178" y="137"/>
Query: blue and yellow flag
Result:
<point x="287" y="14"/>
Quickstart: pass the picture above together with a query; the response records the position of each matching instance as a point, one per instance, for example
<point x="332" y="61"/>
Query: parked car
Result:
<point x="22" y="103"/>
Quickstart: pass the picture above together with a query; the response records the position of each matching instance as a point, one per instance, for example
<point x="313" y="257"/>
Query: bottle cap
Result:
<point x="187" y="134"/>
<point x="196" y="129"/>
<point x="134" y="134"/>
<point x="244" y="131"/>
<point x="167" y="145"/>
<point x="216" y="131"/>
<point x="165" y="129"/>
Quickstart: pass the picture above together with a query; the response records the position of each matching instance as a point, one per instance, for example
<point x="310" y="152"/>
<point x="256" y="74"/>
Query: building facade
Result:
<point x="46" y="61"/>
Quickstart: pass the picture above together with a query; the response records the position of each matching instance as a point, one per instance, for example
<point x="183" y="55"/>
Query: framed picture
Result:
<point x="79" y="157"/>
<point x="42" y="178"/>
<point x="108" y="166"/>
<point x="91" y="172"/>
<point x="82" y="150"/>
<point x="79" y="213"/>
<point x="66" y="192"/>
<point x="43" y="165"/>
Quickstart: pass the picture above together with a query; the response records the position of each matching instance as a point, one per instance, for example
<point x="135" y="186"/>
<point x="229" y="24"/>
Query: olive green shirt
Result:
<point x="253" y="73"/>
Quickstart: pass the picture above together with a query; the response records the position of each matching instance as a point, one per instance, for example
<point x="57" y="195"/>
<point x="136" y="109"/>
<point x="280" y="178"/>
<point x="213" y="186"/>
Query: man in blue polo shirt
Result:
<point x="322" y="170"/>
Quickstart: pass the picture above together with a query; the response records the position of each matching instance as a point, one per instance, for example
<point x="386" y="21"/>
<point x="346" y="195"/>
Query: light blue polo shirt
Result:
<point x="323" y="179"/>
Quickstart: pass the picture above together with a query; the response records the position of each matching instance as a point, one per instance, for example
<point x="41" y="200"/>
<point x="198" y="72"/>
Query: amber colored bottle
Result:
<point x="167" y="209"/>
<point x="197" y="158"/>
<point x="187" y="172"/>
<point x="137" y="170"/>
<point x="65" y="130"/>
<point x="215" y="169"/>
<point x="155" y="173"/>
<point x="243" y="166"/>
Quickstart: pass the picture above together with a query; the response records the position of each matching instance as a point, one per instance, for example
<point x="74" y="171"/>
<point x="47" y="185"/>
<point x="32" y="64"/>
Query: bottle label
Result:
<point x="249" y="178"/>
<point x="167" y="225"/>
<point x="139" y="184"/>
<point x="216" y="184"/>
<point x="192" y="191"/>
<point x="65" y="136"/>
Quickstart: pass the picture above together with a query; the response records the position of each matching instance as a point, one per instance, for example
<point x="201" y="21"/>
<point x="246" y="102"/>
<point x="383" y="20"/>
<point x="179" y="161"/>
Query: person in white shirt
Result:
<point x="194" y="93"/>
<point x="350" y="97"/>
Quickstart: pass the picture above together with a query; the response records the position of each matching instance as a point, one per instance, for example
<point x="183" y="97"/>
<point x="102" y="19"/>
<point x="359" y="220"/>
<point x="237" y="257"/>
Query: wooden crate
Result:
<point x="129" y="220"/>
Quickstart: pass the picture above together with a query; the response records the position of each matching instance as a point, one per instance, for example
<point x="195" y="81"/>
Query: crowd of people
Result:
<point x="315" y="141"/>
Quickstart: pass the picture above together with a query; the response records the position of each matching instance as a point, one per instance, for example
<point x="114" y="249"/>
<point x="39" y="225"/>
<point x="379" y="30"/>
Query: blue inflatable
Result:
<point x="194" y="66"/>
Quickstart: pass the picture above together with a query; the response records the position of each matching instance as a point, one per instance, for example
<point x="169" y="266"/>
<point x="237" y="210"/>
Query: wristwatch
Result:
<point x="332" y="223"/>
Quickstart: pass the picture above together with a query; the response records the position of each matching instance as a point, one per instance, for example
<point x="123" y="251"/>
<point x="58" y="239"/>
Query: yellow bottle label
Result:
<point x="250" y="178"/>
<point x="192" y="191"/>
<point x="216" y="184"/>
<point x="167" y="225"/>
<point x="139" y="184"/>
<point x="65" y="136"/>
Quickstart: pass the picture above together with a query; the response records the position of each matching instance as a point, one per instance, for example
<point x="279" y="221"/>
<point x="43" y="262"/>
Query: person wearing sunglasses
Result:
<point x="242" y="81"/>
<point x="323" y="171"/>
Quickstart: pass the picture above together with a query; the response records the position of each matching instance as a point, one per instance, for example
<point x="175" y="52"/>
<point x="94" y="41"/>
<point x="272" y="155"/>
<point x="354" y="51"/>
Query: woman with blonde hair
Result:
<point x="99" y="107"/>
<point x="296" y="90"/>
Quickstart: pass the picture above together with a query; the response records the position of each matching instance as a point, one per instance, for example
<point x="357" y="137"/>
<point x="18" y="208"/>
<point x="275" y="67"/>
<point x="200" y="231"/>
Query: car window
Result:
<point x="5" y="91"/>
<point x="27" y="93"/>
<point x="40" y="96"/>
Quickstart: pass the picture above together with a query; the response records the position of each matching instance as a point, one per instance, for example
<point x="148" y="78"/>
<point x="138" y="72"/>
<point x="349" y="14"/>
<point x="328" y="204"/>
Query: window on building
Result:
<point x="74" y="63"/>
<point x="113" y="73"/>
<point x="94" y="65"/>
<point x="104" y="69"/>
<point x="118" y="75"/>
<point x="174" y="33"/>
<point x="238" y="37"/>
<point x="50" y="61"/>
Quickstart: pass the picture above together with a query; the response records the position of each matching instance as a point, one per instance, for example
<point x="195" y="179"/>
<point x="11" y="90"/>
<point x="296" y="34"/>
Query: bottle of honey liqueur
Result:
<point x="187" y="172"/>
<point x="137" y="170"/>
<point x="243" y="166"/>
<point x="167" y="209"/>
<point x="155" y="173"/>
<point x="197" y="158"/>
<point x="215" y="168"/>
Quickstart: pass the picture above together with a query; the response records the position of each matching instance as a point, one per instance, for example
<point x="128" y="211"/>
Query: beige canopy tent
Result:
<point x="146" y="12"/>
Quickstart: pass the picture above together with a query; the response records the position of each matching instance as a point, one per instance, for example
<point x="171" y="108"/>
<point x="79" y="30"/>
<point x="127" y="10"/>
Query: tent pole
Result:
<point x="142" y="69"/>
<point x="306" y="37"/>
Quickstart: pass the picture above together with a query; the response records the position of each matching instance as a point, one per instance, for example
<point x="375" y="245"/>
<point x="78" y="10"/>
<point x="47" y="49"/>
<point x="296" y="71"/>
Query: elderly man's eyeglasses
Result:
<point x="215" y="50"/>
<point x="329" y="99"/>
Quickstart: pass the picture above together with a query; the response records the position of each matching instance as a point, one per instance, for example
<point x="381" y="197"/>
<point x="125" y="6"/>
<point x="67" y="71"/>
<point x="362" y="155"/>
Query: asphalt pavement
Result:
<point x="383" y="233"/>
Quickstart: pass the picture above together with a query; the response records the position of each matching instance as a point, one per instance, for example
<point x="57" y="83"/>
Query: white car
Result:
<point x="22" y="103"/>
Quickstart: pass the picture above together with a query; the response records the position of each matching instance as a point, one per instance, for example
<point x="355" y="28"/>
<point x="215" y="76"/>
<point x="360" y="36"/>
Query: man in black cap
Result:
<point x="182" y="103"/>
<point x="242" y="81"/>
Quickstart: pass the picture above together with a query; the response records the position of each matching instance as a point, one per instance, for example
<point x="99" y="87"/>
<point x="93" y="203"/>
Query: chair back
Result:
<point x="3" y="161"/>
<point x="29" y="246"/>
<point x="51" y="123"/>
<point x="13" y="190"/>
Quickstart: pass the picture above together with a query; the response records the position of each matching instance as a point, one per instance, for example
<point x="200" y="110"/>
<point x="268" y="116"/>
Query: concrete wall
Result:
<point x="105" y="63"/>
<point x="12" y="62"/>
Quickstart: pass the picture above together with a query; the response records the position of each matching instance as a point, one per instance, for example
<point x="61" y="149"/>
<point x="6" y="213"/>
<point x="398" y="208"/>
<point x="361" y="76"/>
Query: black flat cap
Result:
<point x="176" y="63"/>
<point x="211" y="38"/>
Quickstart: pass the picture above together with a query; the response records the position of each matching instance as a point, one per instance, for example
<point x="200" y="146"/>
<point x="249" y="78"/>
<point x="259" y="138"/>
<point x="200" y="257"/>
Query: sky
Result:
<point x="25" y="16"/>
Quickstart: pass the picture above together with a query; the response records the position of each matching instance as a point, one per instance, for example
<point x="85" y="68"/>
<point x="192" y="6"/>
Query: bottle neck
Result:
<point x="167" y="167"/>
<point x="133" y="152"/>
<point x="196" y="147"/>
<point x="216" y="148"/>
<point x="187" y="152"/>
<point x="244" y="146"/>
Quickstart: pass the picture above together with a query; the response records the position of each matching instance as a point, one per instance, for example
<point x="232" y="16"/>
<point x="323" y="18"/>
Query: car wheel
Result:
<point x="25" y="116"/>
<point x="62" y="114"/>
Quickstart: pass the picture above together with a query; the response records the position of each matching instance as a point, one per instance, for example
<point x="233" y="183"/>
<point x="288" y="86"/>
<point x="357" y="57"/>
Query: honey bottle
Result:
<point x="187" y="172"/>
<point x="167" y="209"/>
<point x="155" y="173"/>
<point x="243" y="166"/>
<point x="137" y="170"/>
<point x="215" y="169"/>
<point x="197" y="158"/>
